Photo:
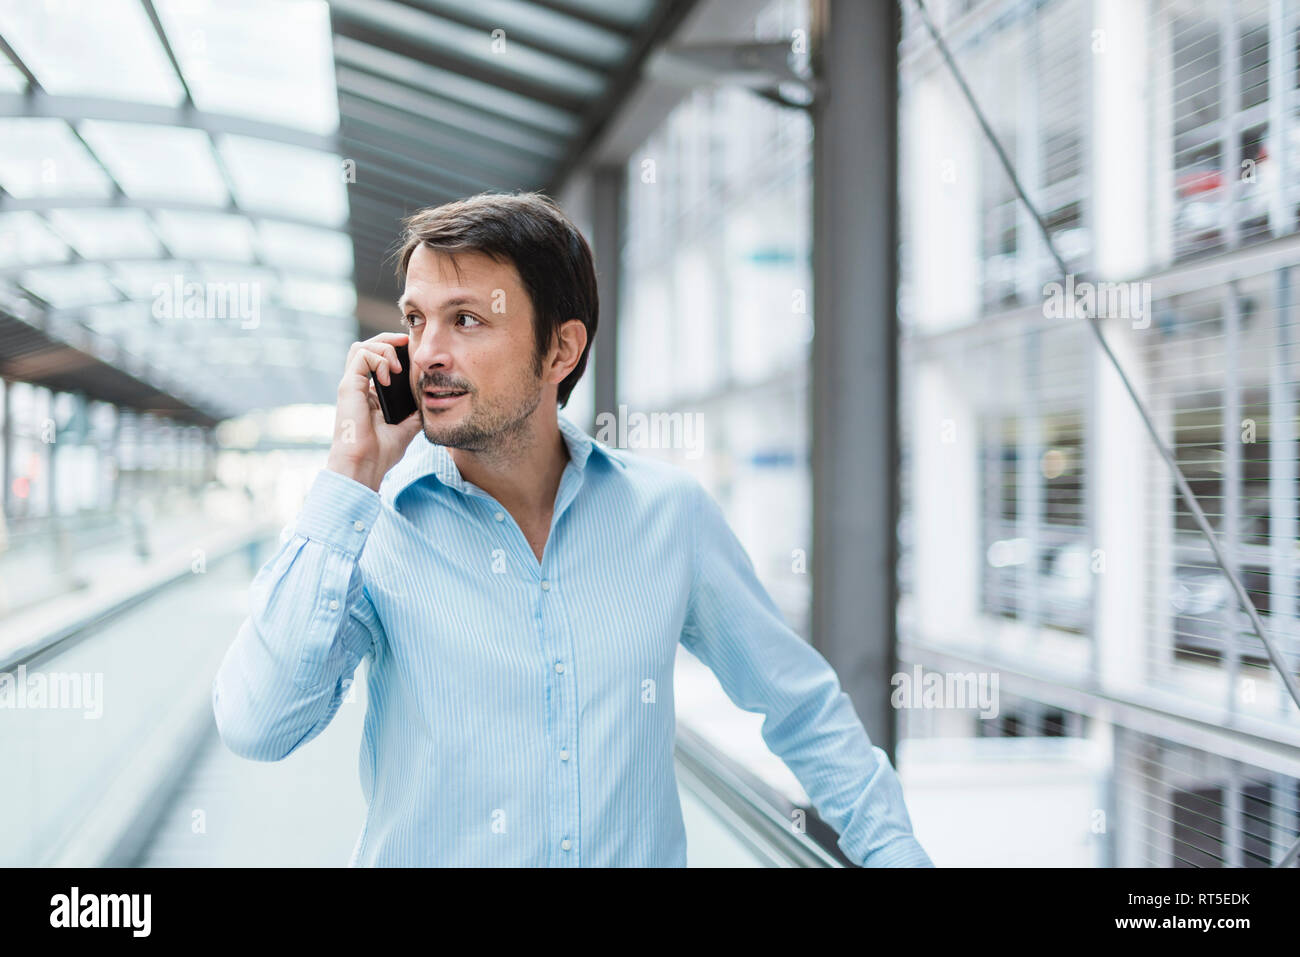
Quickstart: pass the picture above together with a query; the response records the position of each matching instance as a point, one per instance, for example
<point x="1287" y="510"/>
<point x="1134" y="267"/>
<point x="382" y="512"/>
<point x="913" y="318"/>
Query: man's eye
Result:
<point x="410" y="320"/>
<point x="472" y="319"/>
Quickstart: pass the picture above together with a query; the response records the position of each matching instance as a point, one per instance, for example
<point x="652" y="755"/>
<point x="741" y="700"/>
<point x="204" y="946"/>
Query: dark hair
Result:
<point x="531" y="233"/>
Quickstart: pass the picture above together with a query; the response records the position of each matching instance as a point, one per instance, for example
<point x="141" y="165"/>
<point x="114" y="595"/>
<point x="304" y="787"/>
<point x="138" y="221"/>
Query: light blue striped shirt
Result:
<point x="521" y="713"/>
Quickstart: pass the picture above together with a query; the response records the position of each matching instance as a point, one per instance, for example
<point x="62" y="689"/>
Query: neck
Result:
<point x="523" y="470"/>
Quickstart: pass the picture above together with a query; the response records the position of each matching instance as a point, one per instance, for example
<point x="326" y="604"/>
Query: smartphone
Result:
<point x="397" y="400"/>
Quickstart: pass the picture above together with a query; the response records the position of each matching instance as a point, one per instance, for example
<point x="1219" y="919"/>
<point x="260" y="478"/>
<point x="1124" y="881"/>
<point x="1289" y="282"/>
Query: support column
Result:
<point x="608" y="187"/>
<point x="1118" y="452"/>
<point x="7" y="449"/>
<point x="854" y="355"/>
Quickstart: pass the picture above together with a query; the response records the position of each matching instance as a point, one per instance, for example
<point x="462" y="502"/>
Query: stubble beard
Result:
<point x="494" y="429"/>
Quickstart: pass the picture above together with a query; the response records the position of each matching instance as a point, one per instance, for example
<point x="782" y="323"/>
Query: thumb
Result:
<point x="412" y="424"/>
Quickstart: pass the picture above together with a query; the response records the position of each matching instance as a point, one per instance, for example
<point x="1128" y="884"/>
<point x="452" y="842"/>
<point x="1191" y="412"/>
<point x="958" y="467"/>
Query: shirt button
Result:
<point x="334" y="604"/>
<point x="359" y="525"/>
<point x="546" y="586"/>
<point x="566" y="844"/>
<point x="500" y="516"/>
<point x="559" y="667"/>
<point x="564" y="755"/>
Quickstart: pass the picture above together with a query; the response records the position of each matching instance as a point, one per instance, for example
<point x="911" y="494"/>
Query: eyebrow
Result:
<point x="456" y="301"/>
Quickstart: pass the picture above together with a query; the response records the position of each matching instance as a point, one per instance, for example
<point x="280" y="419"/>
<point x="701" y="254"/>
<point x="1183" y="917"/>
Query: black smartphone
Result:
<point x="397" y="400"/>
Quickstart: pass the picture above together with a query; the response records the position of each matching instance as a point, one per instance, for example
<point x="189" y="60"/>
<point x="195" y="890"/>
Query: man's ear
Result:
<point x="569" y="341"/>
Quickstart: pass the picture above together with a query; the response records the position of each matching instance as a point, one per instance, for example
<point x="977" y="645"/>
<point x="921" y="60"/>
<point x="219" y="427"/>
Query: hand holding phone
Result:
<point x="396" y="399"/>
<point x="373" y="422"/>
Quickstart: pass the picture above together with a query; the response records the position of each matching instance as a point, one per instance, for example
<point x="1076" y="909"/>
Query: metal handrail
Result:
<point x="751" y="810"/>
<point x="59" y="640"/>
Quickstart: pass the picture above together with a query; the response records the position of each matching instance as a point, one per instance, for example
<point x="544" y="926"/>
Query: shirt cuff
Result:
<point x="904" y="852"/>
<point x="338" y="511"/>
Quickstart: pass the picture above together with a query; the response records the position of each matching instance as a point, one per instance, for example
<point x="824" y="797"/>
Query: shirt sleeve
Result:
<point x="735" y="628"/>
<point x="310" y="623"/>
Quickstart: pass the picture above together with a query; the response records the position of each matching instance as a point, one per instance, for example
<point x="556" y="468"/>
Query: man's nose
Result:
<point x="431" y="351"/>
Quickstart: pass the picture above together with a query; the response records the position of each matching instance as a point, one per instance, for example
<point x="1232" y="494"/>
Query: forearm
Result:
<point x="733" y="626"/>
<point x="813" y="726"/>
<point x="309" y="625"/>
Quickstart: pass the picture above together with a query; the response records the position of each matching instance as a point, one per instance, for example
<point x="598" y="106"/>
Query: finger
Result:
<point x="390" y="352"/>
<point x="387" y="342"/>
<point x="356" y="377"/>
<point x="365" y="362"/>
<point x="393" y="338"/>
<point x="396" y="338"/>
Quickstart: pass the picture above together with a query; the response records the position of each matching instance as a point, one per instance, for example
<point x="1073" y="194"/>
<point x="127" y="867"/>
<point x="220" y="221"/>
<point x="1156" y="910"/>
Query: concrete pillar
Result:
<point x="854" y="361"/>
<point x="608" y="219"/>
<point x="1120" y="454"/>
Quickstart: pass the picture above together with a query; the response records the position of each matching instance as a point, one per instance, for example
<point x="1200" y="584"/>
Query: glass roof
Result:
<point x="287" y="44"/>
<point x="25" y="239"/>
<point x="304" y="247"/>
<point x="106" y="233"/>
<point x="41" y="156"/>
<point x="204" y="183"/>
<point x="196" y="235"/>
<point x="11" y="78"/>
<point x="157" y="162"/>
<point x="185" y="212"/>
<point x="279" y="178"/>
<point x="106" y="48"/>
<point x="65" y="286"/>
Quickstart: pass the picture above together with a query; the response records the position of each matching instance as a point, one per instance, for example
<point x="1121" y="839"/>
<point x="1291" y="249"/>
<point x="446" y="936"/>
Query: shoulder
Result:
<point x="650" y="476"/>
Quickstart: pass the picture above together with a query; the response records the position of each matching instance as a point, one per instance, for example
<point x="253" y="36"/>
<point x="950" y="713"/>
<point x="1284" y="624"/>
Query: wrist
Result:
<point x="361" y="472"/>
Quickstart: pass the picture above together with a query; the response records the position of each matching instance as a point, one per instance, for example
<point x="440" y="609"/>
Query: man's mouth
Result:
<point x="437" y="398"/>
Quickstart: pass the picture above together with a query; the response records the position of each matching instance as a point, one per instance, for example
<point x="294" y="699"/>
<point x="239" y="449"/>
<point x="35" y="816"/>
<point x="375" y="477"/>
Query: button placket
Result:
<point x="561" y="729"/>
<point x="514" y="541"/>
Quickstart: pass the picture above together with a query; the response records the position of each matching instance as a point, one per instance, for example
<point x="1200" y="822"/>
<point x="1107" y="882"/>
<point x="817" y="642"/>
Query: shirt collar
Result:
<point x="422" y="458"/>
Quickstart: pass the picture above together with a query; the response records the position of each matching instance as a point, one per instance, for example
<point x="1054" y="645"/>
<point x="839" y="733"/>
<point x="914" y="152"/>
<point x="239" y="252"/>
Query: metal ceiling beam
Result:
<point x="550" y="39"/>
<point x="40" y="204"/>
<point x="73" y="109"/>
<point x="370" y="230"/>
<point x="166" y="45"/>
<point x="452" y="86"/>
<point x="363" y="22"/>
<point x="504" y="163"/>
<point x="374" y="237"/>
<point x="421" y="178"/>
<point x="33" y="355"/>
<point x="365" y="197"/>
<point x="33" y="84"/>
<point x="379" y="126"/>
<point x="667" y="17"/>
<point x="596" y="16"/>
<point x="12" y="272"/>
<point x="380" y="182"/>
<point x="420" y="108"/>
<point x="374" y="241"/>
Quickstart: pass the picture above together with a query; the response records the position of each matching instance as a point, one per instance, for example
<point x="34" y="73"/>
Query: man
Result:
<point x="519" y="591"/>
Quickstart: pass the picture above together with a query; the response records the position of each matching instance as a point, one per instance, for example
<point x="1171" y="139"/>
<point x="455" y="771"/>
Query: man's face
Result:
<point x="471" y="332"/>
